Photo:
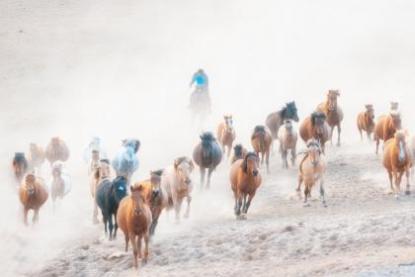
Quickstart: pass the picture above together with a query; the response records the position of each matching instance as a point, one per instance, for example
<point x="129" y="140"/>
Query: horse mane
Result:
<point x="244" y="164"/>
<point x="19" y="157"/>
<point x="259" y="129"/>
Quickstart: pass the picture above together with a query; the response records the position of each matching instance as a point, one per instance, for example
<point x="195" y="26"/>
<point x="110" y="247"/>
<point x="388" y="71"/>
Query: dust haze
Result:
<point x="119" y="69"/>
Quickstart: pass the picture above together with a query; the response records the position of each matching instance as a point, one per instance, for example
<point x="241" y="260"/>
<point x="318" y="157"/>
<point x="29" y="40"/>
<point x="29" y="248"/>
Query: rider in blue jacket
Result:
<point x="201" y="81"/>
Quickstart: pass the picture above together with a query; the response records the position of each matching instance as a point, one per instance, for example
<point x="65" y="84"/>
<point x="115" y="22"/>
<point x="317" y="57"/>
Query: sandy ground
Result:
<point x="121" y="69"/>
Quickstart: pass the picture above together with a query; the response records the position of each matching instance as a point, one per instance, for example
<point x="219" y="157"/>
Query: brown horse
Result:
<point x="397" y="161"/>
<point x="207" y="155"/>
<point x="315" y="126"/>
<point x="386" y="127"/>
<point x="57" y="150"/>
<point x="176" y="182"/>
<point x="155" y="196"/>
<point x="36" y="157"/>
<point x="33" y="195"/>
<point x="245" y="180"/>
<point x="19" y="166"/>
<point x="239" y="152"/>
<point x="226" y="134"/>
<point x="334" y="114"/>
<point x="261" y="141"/>
<point x="134" y="219"/>
<point x="60" y="182"/>
<point x="312" y="169"/>
<point x="365" y="121"/>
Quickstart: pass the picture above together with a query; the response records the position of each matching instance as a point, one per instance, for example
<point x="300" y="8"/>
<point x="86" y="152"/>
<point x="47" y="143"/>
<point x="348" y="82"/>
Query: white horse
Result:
<point x="177" y="183"/>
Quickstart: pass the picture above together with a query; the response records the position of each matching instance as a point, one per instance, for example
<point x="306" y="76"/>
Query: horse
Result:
<point x="98" y="171"/>
<point x="394" y="106"/>
<point x="36" y="157"/>
<point x="207" y="155"/>
<point x="134" y="219"/>
<point x="57" y="150"/>
<point x="287" y="135"/>
<point x="397" y="160"/>
<point x="19" y="165"/>
<point x="366" y="122"/>
<point x="245" y="180"/>
<point x="261" y="141"/>
<point x="312" y="169"/>
<point x="315" y="126"/>
<point x="226" y="134"/>
<point x="276" y="119"/>
<point x="239" y="152"/>
<point x="60" y="184"/>
<point x="200" y="104"/>
<point x="108" y="196"/>
<point x="386" y="127"/>
<point x="334" y="114"/>
<point x="155" y="196"/>
<point x="125" y="162"/>
<point x="176" y="182"/>
<point x="32" y="194"/>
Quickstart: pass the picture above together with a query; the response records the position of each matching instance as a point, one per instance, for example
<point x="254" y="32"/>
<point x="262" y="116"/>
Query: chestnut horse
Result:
<point x="245" y="180"/>
<point x="57" y="151"/>
<point x="36" y="157"/>
<point x="134" y="219"/>
<point x="261" y="141"/>
<point x="276" y="119"/>
<point x="60" y="185"/>
<point x="207" y="155"/>
<point x="33" y="194"/>
<point x="176" y="182"/>
<point x="365" y="121"/>
<point x="239" y="152"/>
<point x="397" y="161"/>
<point x="226" y="134"/>
<point x="20" y="166"/>
<point x="155" y="196"/>
<point x="386" y="127"/>
<point x="312" y="169"/>
<point x="315" y="126"/>
<point x="334" y="114"/>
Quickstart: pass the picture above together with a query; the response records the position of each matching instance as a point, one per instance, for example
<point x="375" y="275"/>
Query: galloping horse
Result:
<point x="226" y="134"/>
<point x="207" y="155"/>
<point x="261" y="141"/>
<point x="334" y="114"/>
<point x="33" y="195"/>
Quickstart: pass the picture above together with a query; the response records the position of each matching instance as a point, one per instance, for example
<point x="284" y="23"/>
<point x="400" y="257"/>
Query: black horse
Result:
<point x="108" y="196"/>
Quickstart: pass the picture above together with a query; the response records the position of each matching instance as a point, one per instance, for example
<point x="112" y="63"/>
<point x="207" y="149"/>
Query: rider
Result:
<point x="201" y="81"/>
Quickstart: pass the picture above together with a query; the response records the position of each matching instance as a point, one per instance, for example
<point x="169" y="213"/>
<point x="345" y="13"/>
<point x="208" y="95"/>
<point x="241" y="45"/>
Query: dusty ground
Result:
<point x="362" y="229"/>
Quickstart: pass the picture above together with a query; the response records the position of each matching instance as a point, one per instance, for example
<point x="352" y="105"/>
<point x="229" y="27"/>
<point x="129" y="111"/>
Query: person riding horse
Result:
<point x="200" y="99"/>
<point x="201" y="81"/>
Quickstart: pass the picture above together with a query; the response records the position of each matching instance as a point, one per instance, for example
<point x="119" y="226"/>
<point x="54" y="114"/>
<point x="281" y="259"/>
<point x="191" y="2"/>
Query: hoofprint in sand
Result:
<point x="363" y="229"/>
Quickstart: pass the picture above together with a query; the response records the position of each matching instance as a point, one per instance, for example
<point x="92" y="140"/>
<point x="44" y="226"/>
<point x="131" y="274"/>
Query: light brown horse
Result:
<point x="134" y="219"/>
<point x="312" y="169"/>
<point x="397" y="161"/>
<point x="60" y="183"/>
<point x="98" y="171"/>
<point x="36" y="157"/>
<point x="386" y="127"/>
<point x="315" y="127"/>
<point x="245" y="180"/>
<point x="366" y="122"/>
<point x="287" y="135"/>
<point x="176" y="181"/>
<point x="57" y="151"/>
<point x="155" y="196"/>
<point x="334" y="114"/>
<point x="239" y="152"/>
<point x="33" y="195"/>
<point x="261" y="141"/>
<point x="226" y="134"/>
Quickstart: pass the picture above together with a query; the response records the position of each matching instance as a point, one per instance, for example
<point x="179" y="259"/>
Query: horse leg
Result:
<point x="135" y="251"/>
<point x="267" y="160"/>
<point x="36" y="216"/>
<point x="95" y="214"/>
<point x="126" y="242"/>
<point x="177" y="208"/>
<point x="111" y="226"/>
<point x="398" y="182"/>
<point x="408" y="191"/>
<point x="306" y="194"/>
<point x="293" y="156"/>
<point x="377" y="145"/>
<point x="331" y="135"/>
<point x="248" y="203"/>
<point x="187" y="213"/>
<point x="300" y="181"/>
<point x="390" y="180"/>
<point x="146" y="240"/>
<point x="322" y="194"/>
<point x="25" y="212"/>
<point x="202" y="177"/>
<point x="339" y="130"/>
<point x="238" y="204"/>
<point x="115" y="225"/>
<point x="361" y="134"/>
<point x="210" y="170"/>
<point x="139" y="247"/>
<point x="155" y="217"/>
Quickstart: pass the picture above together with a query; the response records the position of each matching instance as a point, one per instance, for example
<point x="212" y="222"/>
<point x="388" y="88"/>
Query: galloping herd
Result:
<point x="135" y="207"/>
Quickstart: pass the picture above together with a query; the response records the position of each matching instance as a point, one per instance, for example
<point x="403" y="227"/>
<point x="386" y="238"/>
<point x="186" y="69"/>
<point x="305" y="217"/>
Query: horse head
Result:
<point x="250" y="165"/>
<point x="332" y="100"/>
<point x="396" y="120"/>
<point x="228" y="123"/>
<point x="133" y="143"/>
<point x="400" y="142"/>
<point x="184" y="167"/>
<point x="314" y="151"/>
<point x="155" y="179"/>
<point x="138" y="198"/>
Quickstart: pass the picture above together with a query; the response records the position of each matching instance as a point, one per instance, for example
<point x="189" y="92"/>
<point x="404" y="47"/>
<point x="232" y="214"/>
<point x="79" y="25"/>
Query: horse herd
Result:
<point x="135" y="207"/>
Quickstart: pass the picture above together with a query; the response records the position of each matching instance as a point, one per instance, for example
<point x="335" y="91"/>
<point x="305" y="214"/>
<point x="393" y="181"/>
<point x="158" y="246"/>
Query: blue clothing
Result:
<point x="200" y="79"/>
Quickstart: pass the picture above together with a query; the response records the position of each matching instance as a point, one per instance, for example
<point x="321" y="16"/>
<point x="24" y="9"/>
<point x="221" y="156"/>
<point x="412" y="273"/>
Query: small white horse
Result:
<point x="177" y="183"/>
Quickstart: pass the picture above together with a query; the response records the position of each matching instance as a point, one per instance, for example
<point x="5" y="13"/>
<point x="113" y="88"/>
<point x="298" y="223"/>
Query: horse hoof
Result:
<point x="306" y="205"/>
<point x="407" y="192"/>
<point x="397" y="196"/>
